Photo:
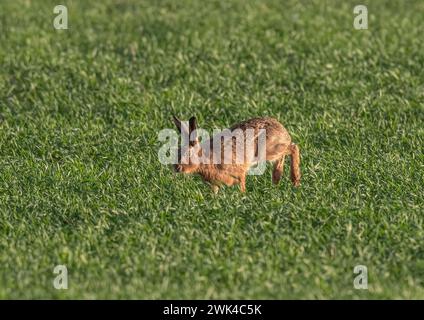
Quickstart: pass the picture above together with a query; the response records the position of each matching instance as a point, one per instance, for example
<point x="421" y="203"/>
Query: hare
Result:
<point x="231" y="172"/>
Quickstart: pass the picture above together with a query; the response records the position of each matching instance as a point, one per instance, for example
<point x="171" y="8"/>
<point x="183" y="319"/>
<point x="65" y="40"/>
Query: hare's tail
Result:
<point x="295" y="164"/>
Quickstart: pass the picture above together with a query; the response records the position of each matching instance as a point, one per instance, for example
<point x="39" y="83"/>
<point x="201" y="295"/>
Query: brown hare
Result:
<point x="201" y="157"/>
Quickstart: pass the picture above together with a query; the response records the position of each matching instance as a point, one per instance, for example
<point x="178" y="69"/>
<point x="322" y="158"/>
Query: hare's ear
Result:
<point x="193" y="135"/>
<point x="182" y="126"/>
<point x="177" y="122"/>
<point x="192" y="124"/>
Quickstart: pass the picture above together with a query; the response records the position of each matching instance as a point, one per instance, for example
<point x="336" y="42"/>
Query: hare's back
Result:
<point x="275" y="131"/>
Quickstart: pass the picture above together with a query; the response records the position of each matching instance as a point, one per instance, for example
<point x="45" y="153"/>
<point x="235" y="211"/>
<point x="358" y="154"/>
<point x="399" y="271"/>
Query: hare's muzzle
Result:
<point x="177" y="168"/>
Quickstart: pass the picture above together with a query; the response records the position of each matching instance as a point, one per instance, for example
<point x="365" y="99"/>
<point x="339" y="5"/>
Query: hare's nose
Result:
<point x="177" y="168"/>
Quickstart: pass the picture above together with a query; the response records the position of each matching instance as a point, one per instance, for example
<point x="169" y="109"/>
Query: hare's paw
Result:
<point x="215" y="188"/>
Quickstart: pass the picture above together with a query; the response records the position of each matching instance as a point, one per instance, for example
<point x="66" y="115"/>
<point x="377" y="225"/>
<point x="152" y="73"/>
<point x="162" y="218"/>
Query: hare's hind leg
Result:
<point x="295" y="164"/>
<point x="277" y="153"/>
<point x="278" y="170"/>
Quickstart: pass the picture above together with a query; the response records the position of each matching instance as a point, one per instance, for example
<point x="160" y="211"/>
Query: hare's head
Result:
<point x="189" y="149"/>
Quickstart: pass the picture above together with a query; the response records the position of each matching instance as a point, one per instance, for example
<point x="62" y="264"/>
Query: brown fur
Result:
<point x="278" y="145"/>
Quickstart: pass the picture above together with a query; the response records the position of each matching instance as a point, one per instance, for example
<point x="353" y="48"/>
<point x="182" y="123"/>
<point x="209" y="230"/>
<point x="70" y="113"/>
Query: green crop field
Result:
<point x="81" y="184"/>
